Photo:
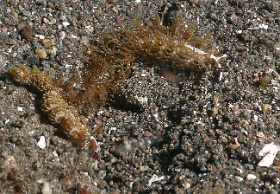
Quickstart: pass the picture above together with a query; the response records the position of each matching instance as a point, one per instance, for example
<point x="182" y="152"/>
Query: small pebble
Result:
<point x="47" y="42"/>
<point x="11" y="41"/>
<point x="238" y="179"/>
<point x="26" y="32"/>
<point x="52" y="51"/>
<point x="265" y="107"/>
<point x="186" y="185"/>
<point x="41" y="53"/>
<point x="4" y="29"/>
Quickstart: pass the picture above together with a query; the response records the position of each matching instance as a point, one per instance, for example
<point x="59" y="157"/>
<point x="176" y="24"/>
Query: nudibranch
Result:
<point x="175" y="47"/>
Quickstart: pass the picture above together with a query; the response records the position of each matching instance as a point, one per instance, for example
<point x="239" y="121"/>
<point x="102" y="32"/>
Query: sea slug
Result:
<point x="174" y="47"/>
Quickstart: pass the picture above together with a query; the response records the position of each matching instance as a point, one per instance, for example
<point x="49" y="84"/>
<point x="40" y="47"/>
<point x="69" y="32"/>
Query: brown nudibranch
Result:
<point x="175" y="47"/>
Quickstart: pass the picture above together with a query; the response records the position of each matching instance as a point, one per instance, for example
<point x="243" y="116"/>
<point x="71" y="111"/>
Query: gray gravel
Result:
<point x="195" y="136"/>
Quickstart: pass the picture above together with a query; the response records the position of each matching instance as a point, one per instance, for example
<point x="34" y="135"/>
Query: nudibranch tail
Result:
<point x="66" y="117"/>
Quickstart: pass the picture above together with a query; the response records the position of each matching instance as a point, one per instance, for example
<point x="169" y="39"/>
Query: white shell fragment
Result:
<point x="20" y="109"/>
<point x="46" y="188"/>
<point x="42" y="142"/>
<point x="41" y="37"/>
<point x="269" y="152"/>
<point x="65" y="24"/>
<point x="142" y="99"/>
<point x="251" y="177"/>
<point x="62" y="35"/>
<point x="263" y="26"/>
<point x="154" y="178"/>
